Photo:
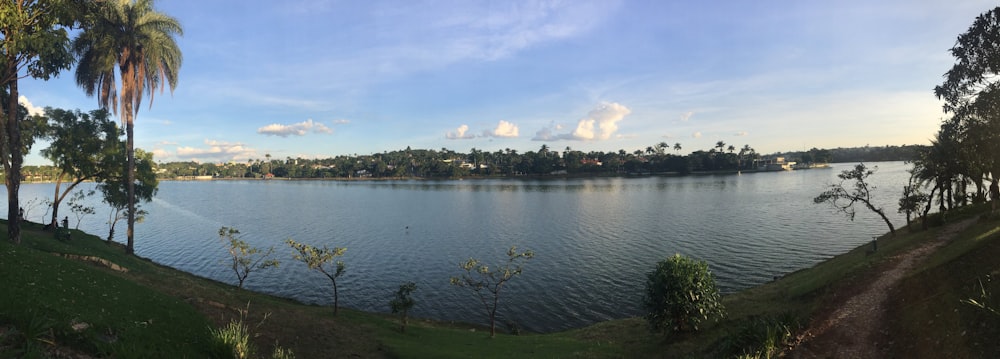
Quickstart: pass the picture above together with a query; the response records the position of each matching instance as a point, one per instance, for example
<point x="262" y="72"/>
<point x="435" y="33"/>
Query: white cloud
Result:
<point x="741" y="134"/>
<point x="159" y="153"/>
<point x="341" y="122"/>
<point x="297" y="129"/>
<point x="600" y="124"/>
<point x="460" y="133"/>
<point x="503" y="129"/>
<point x="686" y="116"/>
<point x="696" y="134"/>
<point x="216" y="150"/>
<point x="32" y="109"/>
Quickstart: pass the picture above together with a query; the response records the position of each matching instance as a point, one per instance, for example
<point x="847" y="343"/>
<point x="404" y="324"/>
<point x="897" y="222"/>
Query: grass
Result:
<point x="154" y="311"/>
<point x="931" y="316"/>
<point x="69" y="303"/>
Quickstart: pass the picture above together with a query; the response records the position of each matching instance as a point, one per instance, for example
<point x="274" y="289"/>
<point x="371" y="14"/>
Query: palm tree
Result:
<point x="131" y="40"/>
<point x="661" y="147"/>
<point x="677" y="147"/>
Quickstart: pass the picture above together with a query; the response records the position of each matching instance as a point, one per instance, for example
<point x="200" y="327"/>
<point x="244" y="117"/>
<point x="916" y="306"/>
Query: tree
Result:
<point x="402" y="303"/>
<point x="34" y="44"/>
<point x="487" y="283"/>
<point x="82" y="146"/>
<point x="972" y="95"/>
<point x="31" y="205"/>
<point x="680" y="294"/>
<point x="912" y="197"/>
<point x="115" y="192"/>
<point x="131" y="40"/>
<point x="244" y="258"/>
<point x="843" y="200"/>
<point x="268" y="155"/>
<point x="317" y="259"/>
<point x="79" y="209"/>
<point x="720" y="146"/>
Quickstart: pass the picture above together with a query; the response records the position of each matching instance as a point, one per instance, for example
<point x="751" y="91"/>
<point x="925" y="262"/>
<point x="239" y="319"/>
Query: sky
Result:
<point x="317" y="78"/>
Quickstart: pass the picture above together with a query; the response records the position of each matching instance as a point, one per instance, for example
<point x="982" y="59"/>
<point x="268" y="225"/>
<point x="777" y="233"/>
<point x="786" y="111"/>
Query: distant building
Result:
<point x="776" y="164"/>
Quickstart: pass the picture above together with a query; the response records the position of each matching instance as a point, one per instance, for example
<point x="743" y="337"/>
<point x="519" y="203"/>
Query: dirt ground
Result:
<point x="853" y="323"/>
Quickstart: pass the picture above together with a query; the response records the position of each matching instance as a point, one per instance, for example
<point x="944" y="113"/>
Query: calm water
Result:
<point x="594" y="239"/>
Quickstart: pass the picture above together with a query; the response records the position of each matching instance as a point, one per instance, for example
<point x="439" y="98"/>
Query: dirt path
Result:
<point x="855" y="322"/>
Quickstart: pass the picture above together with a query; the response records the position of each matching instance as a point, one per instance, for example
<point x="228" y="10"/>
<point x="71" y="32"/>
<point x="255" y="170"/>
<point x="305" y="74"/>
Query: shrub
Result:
<point x="761" y="337"/>
<point x="680" y="294"/>
<point x="402" y="303"/>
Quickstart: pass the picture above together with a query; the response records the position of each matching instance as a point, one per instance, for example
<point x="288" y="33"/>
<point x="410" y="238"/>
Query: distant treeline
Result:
<point x="862" y="154"/>
<point x="661" y="158"/>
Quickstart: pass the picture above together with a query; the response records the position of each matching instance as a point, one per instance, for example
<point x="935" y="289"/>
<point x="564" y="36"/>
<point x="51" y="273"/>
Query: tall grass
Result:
<point x="761" y="337"/>
<point x="235" y="340"/>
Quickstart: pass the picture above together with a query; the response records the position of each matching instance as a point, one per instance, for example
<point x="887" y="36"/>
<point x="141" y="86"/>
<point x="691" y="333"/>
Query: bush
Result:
<point x="402" y="303"/>
<point x="761" y="337"/>
<point x="680" y="294"/>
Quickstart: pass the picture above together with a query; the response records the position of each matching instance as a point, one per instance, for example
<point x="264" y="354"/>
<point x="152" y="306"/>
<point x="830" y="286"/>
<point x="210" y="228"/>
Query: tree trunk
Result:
<point x="927" y="208"/>
<point x="129" y="125"/>
<point x="994" y="192"/>
<point x="493" y="320"/>
<point x="892" y="229"/>
<point x="336" y="302"/>
<point x="14" y="171"/>
<point x="951" y="195"/>
<point x="56" y="199"/>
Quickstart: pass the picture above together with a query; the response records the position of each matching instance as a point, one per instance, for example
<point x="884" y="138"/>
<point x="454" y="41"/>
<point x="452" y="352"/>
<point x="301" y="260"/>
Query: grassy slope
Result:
<point x="45" y="295"/>
<point x="930" y="317"/>
<point x="52" y="293"/>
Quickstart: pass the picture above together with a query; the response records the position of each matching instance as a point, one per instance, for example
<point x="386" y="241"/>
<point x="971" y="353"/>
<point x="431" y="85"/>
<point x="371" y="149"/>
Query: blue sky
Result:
<point x="315" y="78"/>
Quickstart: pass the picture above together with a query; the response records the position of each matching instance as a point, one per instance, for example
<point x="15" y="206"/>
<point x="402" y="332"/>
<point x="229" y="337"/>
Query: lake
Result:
<point x="594" y="239"/>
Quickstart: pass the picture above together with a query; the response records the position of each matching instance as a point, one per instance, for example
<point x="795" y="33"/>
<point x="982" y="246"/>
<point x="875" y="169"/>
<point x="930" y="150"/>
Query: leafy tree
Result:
<point x="680" y="294"/>
<point x="487" y="283"/>
<point x="131" y="40"/>
<point x="244" y="258"/>
<point x="402" y="303"/>
<point x="318" y="259"/>
<point x="34" y="43"/>
<point x="972" y="95"/>
<point x="115" y="192"/>
<point x="843" y="200"/>
<point x="82" y="146"/>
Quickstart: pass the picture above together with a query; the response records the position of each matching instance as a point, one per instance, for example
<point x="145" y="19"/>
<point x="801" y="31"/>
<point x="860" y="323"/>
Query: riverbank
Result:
<point x="55" y="304"/>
